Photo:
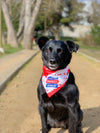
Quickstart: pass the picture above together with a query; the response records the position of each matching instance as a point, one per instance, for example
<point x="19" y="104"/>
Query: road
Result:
<point x="19" y="103"/>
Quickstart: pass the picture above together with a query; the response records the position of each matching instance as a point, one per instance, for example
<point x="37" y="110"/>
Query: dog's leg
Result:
<point x="73" y="118"/>
<point x="74" y="108"/>
<point x="79" y="128"/>
<point x="80" y="118"/>
<point x="43" y="114"/>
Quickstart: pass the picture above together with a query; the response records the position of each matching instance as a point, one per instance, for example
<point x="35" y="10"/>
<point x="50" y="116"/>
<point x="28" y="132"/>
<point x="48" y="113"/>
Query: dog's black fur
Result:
<point x="62" y="110"/>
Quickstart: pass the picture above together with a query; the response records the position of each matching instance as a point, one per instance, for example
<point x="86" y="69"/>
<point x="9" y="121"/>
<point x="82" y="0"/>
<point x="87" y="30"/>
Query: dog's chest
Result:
<point x="58" y="116"/>
<point x="58" y="105"/>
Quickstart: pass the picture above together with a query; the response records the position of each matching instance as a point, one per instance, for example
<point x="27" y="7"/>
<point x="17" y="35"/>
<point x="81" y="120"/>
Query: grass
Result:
<point x="83" y="46"/>
<point x="93" y="51"/>
<point x="9" y="50"/>
<point x="69" y="38"/>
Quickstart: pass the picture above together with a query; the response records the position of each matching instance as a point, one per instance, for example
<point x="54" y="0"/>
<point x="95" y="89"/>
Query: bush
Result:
<point x="95" y="33"/>
<point x="87" y="40"/>
<point x="92" y="39"/>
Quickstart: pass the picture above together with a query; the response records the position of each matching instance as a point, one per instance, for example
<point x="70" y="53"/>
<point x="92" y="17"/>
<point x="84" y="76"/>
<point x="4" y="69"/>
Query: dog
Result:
<point x="57" y="92"/>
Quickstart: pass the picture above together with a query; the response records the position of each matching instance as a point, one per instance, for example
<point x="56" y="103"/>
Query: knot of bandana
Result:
<point x="53" y="81"/>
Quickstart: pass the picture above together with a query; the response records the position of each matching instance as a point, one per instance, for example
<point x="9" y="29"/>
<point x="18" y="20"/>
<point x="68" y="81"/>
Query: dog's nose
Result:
<point x="52" y="61"/>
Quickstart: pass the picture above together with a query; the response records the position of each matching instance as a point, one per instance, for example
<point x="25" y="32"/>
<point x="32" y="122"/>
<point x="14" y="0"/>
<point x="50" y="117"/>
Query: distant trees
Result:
<point x="93" y="38"/>
<point x="94" y="17"/>
<point x="22" y="19"/>
<point x="55" y="13"/>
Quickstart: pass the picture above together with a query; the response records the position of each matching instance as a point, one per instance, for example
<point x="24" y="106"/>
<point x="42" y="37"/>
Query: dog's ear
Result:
<point x="42" y="41"/>
<point x="72" y="47"/>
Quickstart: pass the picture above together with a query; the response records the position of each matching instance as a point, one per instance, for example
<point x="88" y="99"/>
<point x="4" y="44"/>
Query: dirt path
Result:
<point x="19" y="104"/>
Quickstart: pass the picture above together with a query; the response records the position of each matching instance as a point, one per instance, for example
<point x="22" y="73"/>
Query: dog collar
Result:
<point x="53" y="81"/>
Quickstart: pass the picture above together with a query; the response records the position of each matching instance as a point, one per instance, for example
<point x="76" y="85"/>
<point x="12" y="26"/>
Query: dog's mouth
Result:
<point x="53" y="67"/>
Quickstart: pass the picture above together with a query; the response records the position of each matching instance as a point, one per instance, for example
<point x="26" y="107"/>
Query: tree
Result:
<point x="29" y="22"/>
<point x="49" y="17"/>
<point x="20" y="16"/>
<point x="11" y="35"/>
<point x="59" y="12"/>
<point x="93" y="38"/>
<point x="94" y="17"/>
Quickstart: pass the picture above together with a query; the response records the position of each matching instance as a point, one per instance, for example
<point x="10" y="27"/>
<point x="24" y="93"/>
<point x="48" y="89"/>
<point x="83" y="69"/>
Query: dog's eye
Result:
<point x="59" y="50"/>
<point x="50" y="49"/>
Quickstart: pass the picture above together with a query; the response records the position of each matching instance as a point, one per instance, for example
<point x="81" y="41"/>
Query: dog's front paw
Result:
<point x="45" y="130"/>
<point x="79" y="128"/>
<point x="79" y="131"/>
<point x="40" y="130"/>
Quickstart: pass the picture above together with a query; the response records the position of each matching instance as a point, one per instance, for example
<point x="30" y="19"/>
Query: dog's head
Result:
<point x="56" y="54"/>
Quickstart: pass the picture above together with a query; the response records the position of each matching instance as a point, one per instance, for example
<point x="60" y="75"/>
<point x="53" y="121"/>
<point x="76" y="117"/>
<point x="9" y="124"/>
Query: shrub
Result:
<point x="95" y="33"/>
<point x="93" y="38"/>
<point x="87" y="40"/>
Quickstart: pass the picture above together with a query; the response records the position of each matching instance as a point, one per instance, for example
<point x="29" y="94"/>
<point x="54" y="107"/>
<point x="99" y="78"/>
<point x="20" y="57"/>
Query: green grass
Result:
<point x="9" y="50"/>
<point x="79" y="42"/>
<point x="68" y="38"/>
<point x="82" y="46"/>
<point x="90" y="47"/>
<point x="93" y="51"/>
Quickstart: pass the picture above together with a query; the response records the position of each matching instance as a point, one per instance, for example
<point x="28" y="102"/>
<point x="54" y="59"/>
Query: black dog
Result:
<point x="62" y="109"/>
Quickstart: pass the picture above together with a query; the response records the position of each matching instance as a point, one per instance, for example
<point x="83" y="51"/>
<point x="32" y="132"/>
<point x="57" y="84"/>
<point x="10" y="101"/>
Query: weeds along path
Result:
<point x="19" y="103"/>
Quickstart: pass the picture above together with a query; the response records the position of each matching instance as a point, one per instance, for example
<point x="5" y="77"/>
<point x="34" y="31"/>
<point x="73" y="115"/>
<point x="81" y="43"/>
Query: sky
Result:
<point x="88" y="0"/>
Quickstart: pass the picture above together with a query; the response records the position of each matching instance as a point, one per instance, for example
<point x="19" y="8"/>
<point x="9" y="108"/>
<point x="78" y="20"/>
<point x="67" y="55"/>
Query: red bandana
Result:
<point x="53" y="81"/>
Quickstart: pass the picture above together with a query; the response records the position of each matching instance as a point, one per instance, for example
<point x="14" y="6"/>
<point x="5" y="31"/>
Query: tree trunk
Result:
<point x="56" y="32"/>
<point x="21" y="20"/>
<point x="27" y="40"/>
<point x="3" y="39"/>
<point x="30" y="23"/>
<point x="11" y="36"/>
<point x="21" y="23"/>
